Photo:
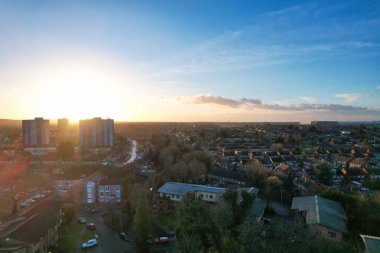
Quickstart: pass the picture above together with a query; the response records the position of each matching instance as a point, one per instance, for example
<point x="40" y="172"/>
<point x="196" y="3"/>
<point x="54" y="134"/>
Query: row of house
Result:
<point x="89" y="192"/>
<point x="35" y="230"/>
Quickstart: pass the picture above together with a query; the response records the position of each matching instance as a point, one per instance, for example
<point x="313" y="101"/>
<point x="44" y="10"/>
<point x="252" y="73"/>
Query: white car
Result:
<point x="90" y="243"/>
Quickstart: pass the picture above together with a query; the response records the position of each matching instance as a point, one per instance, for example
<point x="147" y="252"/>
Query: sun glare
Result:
<point x="80" y="92"/>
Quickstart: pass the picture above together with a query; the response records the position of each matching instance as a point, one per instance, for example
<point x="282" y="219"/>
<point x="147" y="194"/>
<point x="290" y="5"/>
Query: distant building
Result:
<point x="96" y="132"/>
<point x="227" y="177"/>
<point x="324" y="123"/>
<point x="110" y="191"/>
<point x="327" y="216"/>
<point x="35" y="132"/>
<point x="63" y="124"/>
<point x="176" y="191"/>
<point x="69" y="189"/>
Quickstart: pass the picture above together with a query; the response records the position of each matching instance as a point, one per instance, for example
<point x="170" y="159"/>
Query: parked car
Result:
<point x="23" y="205"/>
<point x="123" y="236"/>
<point x="81" y="220"/>
<point x="90" y="209"/>
<point x="90" y="243"/>
<point x="91" y="226"/>
<point x="162" y="240"/>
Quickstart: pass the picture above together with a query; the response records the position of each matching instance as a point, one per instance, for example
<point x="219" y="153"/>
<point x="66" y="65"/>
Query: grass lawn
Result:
<point x="72" y="235"/>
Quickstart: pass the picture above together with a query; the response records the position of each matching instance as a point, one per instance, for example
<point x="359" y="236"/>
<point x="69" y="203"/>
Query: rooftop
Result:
<point x="322" y="211"/>
<point x="372" y="243"/>
<point x="182" y="189"/>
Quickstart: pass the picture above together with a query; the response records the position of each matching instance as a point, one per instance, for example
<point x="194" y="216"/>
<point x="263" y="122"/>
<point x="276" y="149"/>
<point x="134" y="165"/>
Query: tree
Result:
<point x="193" y="226"/>
<point x="189" y="244"/>
<point x="65" y="150"/>
<point x="280" y="139"/>
<point x="227" y="217"/>
<point x="69" y="214"/>
<point x="142" y="222"/>
<point x="288" y="184"/>
<point x="323" y="171"/>
<point x="272" y="183"/>
<point x="256" y="174"/>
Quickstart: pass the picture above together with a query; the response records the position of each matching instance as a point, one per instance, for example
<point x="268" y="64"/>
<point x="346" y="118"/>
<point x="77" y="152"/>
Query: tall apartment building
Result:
<point x="63" y="124"/>
<point x="35" y="132"/>
<point x="96" y="132"/>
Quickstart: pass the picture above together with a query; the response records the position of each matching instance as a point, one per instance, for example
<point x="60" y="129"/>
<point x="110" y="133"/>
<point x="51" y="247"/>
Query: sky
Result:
<point x="194" y="60"/>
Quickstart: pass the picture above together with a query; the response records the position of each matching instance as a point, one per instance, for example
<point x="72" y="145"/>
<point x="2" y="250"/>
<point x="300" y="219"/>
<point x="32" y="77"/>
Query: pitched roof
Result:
<point x="371" y="243"/>
<point x="34" y="223"/>
<point x="259" y="205"/>
<point x="322" y="211"/>
<point x="9" y="244"/>
<point x="228" y="174"/>
<point x="182" y="189"/>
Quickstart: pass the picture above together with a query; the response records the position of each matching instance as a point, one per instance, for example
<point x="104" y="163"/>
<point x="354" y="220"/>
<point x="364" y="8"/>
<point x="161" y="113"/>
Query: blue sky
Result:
<point x="191" y="60"/>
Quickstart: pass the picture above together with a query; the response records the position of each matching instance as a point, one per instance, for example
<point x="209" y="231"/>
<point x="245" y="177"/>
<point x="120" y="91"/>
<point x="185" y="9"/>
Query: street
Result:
<point x="108" y="241"/>
<point x="133" y="155"/>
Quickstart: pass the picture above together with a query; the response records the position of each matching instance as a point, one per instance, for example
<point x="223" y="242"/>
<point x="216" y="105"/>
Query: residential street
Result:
<point x="133" y="155"/>
<point x="109" y="240"/>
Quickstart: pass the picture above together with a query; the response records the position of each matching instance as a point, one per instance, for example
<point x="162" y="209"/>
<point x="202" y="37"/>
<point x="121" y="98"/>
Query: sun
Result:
<point x="79" y="92"/>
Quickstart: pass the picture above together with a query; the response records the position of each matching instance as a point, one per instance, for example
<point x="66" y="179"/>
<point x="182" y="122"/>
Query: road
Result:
<point x="133" y="154"/>
<point x="108" y="241"/>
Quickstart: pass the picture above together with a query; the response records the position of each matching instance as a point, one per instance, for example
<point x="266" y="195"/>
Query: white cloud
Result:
<point x="310" y="100"/>
<point x="351" y="97"/>
<point x="252" y="104"/>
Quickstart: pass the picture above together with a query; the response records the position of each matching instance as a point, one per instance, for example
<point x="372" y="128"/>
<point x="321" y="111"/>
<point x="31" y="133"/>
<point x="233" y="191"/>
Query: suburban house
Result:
<point x="283" y="169"/>
<point x="327" y="216"/>
<point x="227" y="177"/>
<point x="110" y="191"/>
<point x="310" y="163"/>
<point x="341" y="161"/>
<point x="257" y="209"/>
<point x="176" y="191"/>
<point x="357" y="164"/>
<point x="33" y="230"/>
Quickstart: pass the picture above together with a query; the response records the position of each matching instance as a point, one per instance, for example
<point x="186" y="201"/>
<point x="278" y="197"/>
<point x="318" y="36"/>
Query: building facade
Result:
<point x="177" y="191"/>
<point x="90" y="193"/>
<point x="63" y="124"/>
<point x="35" y="132"/>
<point x="96" y="132"/>
<point x="110" y="191"/>
<point x="70" y="189"/>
